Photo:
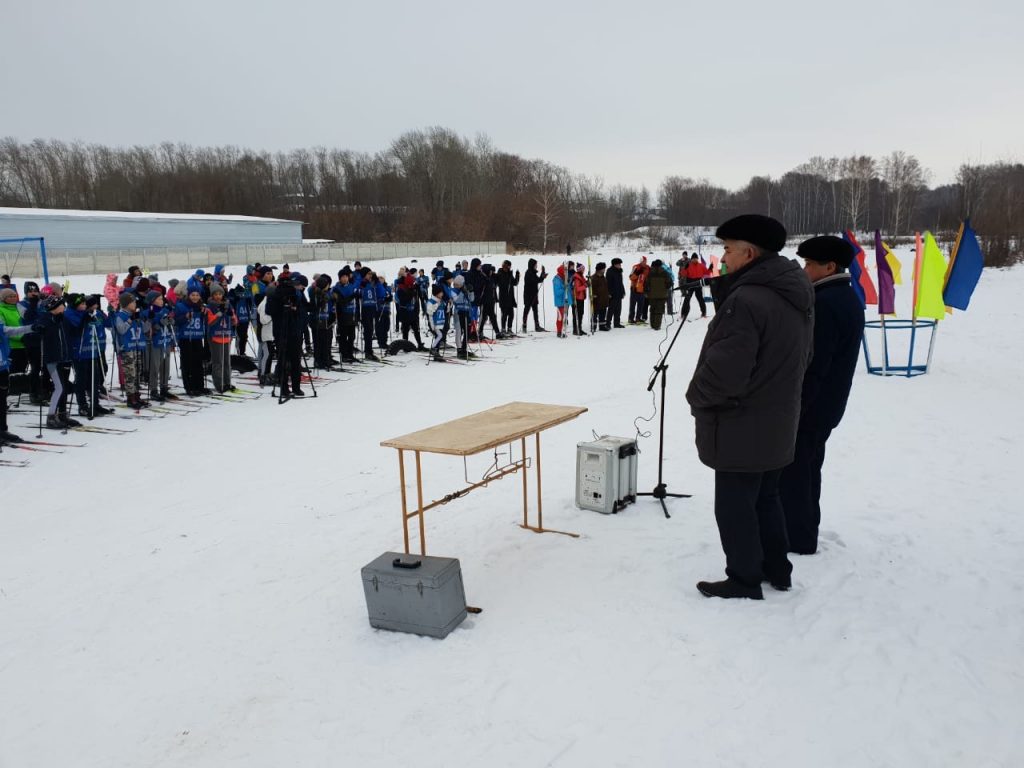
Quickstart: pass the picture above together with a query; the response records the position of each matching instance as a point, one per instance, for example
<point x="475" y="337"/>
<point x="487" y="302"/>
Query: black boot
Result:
<point x="9" y="437"/>
<point x="67" y="421"/>
<point x="729" y="588"/>
<point x="52" y="422"/>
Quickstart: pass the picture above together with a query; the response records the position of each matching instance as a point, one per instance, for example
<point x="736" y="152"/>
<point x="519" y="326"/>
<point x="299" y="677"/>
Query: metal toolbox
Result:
<point x="606" y="474"/>
<point x="414" y="593"/>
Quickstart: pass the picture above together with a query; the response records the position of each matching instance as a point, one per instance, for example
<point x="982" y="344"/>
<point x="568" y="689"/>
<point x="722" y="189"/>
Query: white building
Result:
<point x="117" y="230"/>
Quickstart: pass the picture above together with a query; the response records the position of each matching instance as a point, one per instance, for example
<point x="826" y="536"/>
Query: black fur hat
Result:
<point x="826" y="248"/>
<point x="762" y="231"/>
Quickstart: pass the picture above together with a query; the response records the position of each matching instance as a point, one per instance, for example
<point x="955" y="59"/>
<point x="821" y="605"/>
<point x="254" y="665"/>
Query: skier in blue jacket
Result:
<point x="346" y="301"/>
<point x="369" y="310"/>
<point x="86" y="328"/>
<point x="131" y="346"/>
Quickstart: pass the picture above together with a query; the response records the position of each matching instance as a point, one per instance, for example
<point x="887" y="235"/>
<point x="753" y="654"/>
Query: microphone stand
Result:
<point x="661" y="370"/>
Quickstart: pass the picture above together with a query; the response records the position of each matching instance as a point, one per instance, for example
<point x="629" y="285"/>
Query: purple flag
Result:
<point x="886" y="284"/>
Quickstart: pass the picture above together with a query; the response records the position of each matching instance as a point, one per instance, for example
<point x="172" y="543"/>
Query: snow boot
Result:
<point x="780" y="583"/>
<point x="52" y="422"/>
<point x="9" y="437"/>
<point x="66" y="420"/>
<point x="729" y="588"/>
<point x="298" y="393"/>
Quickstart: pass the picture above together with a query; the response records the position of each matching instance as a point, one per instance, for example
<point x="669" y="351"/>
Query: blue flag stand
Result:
<point x="885" y="327"/>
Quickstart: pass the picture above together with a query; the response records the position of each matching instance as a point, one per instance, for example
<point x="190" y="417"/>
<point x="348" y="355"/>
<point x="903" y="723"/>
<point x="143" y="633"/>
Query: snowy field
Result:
<point x="189" y="594"/>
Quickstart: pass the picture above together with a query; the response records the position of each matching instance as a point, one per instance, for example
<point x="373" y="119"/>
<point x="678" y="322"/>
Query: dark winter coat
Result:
<point x="838" y="329"/>
<point x="745" y="391"/>
<point x="54" y="338"/>
<point x="506" y="280"/>
<point x="616" y="287"/>
<point x="599" y="291"/>
<point x="289" y="312"/>
<point x="658" y="285"/>
<point x="531" y="283"/>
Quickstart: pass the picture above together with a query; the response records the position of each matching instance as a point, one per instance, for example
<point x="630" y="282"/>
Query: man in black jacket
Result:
<point x="507" y="280"/>
<point x="838" y="329"/>
<point x="616" y="293"/>
<point x="531" y="291"/>
<point x="289" y="311"/>
<point x="745" y="399"/>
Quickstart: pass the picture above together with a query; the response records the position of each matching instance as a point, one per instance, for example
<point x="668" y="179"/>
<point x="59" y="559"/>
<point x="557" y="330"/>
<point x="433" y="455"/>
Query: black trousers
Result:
<point x="322" y="346"/>
<point x="615" y="311"/>
<point x="409" y="320"/>
<point x="508" y="317"/>
<point x="369" y="318"/>
<point x="88" y="377"/>
<point x="530" y="305"/>
<point x="487" y="315"/>
<point x="698" y="291"/>
<point x="289" y="364"/>
<point x="242" y="337"/>
<point x="192" y="364"/>
<point x="751" y="525"/>
<point x="577" y="316"/>
<point x="5" y="380"/>
<point x="347" y="338"/>
<point x="800" y="489"/>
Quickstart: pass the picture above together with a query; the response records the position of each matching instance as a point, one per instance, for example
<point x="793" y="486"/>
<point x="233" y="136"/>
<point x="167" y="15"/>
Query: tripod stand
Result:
<point x="661" y="369"/>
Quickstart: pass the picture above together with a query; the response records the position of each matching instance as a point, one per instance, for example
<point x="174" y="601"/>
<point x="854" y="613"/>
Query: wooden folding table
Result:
<point x="475" y="434"/>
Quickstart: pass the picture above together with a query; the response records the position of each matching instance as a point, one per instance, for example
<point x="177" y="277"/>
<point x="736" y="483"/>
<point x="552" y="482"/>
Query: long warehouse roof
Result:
<point x="135" y="215"/>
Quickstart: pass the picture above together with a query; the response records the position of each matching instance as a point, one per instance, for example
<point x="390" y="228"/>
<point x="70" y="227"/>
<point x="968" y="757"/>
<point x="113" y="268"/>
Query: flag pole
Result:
<point x="931" y="347"/>
<point x="885" y="348"/>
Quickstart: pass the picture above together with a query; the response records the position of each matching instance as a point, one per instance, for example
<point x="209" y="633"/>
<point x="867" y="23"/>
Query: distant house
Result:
<point x="118" y="230"/>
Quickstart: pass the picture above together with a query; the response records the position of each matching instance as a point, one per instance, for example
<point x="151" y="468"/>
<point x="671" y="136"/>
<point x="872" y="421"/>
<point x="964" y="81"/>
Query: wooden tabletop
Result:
<point x="487" y="429"/>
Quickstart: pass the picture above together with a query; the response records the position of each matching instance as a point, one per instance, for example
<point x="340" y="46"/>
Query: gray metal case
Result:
<point x="606" y="471"/>
<point x="425" y="599"/>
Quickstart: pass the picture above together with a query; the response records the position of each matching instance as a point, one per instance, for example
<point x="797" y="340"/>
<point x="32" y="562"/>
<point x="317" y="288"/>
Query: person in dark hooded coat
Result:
<point x="745" y="399"/>
<point x="531" y="293"/>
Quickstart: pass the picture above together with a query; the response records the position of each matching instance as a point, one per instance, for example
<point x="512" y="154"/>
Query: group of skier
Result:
<point x="54" y="342"/>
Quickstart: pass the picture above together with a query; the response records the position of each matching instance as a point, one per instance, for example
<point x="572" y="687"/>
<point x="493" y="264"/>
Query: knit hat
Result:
<point x="7" y="292"/>
<point x="439" y="264"/>
<point x="216" y="288"/>
<point x="826" y="248"/>
<point x="56" y="288"/>
<point x="125" y="299"/>
<point x="92" y="301"/>
<point x="616" y="261"/>
<point x="152" y="296"/>
<point x="31" y="286"/>
<point x="762" y="231"/>
<point x="74" y="299"/>
<point x="299" y="278"/>
<point x="600" y="265"/>
<point x="173" y="282"/>
<point x="459" y="281"/>
<point x="154" y="278"/>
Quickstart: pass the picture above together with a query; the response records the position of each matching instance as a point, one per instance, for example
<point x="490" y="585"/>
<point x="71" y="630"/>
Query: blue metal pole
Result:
<point x="910" y="356"/>
<point x="42" y="250"/>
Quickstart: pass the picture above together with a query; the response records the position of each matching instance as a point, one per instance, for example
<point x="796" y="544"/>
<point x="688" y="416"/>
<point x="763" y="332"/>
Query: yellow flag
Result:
<point x="933" y="273"/>
<point x="894" y="265"/>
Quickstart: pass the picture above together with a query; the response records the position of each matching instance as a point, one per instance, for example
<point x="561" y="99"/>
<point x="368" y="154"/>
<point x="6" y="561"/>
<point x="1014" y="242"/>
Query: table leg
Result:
<point x="540" y="508"/>
<point x="526" y="520"/>
<point x="419" y="501"/>
<point x="405" y="508"/>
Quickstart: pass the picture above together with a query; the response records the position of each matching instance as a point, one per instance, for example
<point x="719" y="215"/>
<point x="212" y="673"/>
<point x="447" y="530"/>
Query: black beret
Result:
<point x="762" y="231"/>
<point x="826" y="248"/>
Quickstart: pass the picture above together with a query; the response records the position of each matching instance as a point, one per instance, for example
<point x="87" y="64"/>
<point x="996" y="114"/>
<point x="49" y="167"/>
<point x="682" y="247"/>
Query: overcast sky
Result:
<point x="630" y="91"/>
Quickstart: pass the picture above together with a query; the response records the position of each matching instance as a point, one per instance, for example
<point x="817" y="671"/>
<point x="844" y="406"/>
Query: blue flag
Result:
<point x="965" y="265"/>
<point x="855" y="271"/>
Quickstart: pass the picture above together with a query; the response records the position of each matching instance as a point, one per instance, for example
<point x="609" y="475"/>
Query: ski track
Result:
<point x="189" y="594"/>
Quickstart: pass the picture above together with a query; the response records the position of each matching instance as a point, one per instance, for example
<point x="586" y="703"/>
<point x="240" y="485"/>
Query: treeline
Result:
<point x="433" y="184"/>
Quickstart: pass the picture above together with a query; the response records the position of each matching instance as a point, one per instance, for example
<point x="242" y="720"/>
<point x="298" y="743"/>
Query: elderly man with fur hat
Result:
<point x="745" y="399"/>
<point x="838" y="329"/>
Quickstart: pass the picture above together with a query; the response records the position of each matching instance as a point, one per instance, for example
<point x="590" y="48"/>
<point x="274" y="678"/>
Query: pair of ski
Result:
<point x="43" y="446"/>
<point x="83" y="428"/>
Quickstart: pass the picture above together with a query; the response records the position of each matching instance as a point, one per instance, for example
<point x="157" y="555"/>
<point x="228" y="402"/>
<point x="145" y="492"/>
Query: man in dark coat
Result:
<point x="290" y="314"/>
<point x="531" y="291"/>
<point x="616" y="293"/>
<point x="745" y="399"/>
<point x="599" y="296"/>
<point x="507" y="280"/>
<point x="657" y="288"/>
<point x="838" y="329"/>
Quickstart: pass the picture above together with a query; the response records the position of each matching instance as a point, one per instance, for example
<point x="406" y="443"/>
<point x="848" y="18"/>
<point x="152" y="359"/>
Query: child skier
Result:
<point x="131" y="344"/>
<point x="437" y="316"/>
<point x="159" y="321"/>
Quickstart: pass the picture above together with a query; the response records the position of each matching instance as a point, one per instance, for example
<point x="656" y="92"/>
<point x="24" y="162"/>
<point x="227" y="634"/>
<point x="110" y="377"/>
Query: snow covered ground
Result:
<point x="189" y="594"/>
